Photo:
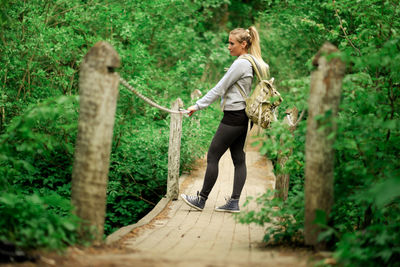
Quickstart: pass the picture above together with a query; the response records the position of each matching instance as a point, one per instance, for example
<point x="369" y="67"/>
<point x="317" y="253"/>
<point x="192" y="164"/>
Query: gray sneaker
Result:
<point x="196" y="202"/>
<point x="232" y="205"/>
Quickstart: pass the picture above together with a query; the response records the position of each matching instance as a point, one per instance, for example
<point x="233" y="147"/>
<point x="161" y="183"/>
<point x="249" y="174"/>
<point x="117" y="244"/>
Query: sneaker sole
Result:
<point x="190" y="204"/>
<point x="231" y="211"/>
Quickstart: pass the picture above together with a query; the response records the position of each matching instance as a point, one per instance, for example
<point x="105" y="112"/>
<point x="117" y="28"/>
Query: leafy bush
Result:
<point x="37" y="148"/>
<point x="283" y="221"/>
<point x="33" y="222"/>
<point x="35" y="173"/>
<point x="363" y="225"/>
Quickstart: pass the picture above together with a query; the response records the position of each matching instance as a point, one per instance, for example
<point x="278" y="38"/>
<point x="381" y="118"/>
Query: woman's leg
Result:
<point x="239" y="161"/>
<point x="225" y="136"/>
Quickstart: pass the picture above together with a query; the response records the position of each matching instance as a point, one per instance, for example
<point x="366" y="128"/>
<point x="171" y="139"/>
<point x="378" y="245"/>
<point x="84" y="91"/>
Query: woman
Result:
<point x="232" y="130"/>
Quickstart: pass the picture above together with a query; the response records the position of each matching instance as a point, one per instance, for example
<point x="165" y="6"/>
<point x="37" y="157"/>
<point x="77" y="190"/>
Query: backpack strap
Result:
<point x="255" y="67"/>
<point x="241" y="91"/>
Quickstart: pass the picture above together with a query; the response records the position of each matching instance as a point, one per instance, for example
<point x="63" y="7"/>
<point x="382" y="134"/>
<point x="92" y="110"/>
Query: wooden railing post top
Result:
<point x="179" y="102"/>
<point x="321" y="60"/>
<point x="326" y="49"/>
<point x="103" y="58"/>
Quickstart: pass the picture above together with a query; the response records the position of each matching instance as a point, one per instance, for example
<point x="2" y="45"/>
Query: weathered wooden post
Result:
<point x="282" y="179"/>
<point x="323" y="105"/>
<point x="98" y="90"/>
<point x="174" y="151"/>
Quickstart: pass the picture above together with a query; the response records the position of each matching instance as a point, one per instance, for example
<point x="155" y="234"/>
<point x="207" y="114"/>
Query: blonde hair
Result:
<point x="252" y="39"/>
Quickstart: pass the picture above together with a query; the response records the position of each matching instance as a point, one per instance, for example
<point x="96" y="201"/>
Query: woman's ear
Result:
<point x="244" y="44"/>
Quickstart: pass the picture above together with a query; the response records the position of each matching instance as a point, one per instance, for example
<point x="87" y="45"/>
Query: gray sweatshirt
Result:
<point x="241" y="72"/>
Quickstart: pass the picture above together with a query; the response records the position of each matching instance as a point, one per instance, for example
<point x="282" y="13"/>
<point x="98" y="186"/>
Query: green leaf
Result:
<point x="386" y="191"/>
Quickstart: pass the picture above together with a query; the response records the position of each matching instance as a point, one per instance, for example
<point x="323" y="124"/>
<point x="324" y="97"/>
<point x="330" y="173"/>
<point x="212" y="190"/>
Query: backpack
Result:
<point x="261" y="104"/>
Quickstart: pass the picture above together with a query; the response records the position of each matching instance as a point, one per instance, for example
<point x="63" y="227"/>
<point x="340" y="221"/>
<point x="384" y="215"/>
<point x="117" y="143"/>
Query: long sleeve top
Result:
<point x="240" y="72"/>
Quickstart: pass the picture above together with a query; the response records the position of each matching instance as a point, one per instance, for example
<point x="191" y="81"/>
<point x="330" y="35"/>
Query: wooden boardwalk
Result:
<point x="190" y="235"/>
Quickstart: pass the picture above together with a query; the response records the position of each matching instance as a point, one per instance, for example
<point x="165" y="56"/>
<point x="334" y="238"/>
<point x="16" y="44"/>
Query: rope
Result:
<point x="149" y="101"/>
<point x="183" y="111"/>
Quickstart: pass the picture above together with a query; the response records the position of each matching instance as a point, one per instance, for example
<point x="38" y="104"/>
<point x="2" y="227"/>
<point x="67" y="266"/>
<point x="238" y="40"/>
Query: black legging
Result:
<point x="232" y="137"/>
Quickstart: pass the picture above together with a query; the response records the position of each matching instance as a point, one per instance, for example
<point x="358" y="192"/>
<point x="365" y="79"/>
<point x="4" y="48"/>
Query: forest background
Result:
<point x="168" y="49"/>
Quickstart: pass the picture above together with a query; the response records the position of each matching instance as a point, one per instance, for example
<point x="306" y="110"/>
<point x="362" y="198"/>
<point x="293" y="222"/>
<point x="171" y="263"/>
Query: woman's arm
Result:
<point x="236" y="71"/>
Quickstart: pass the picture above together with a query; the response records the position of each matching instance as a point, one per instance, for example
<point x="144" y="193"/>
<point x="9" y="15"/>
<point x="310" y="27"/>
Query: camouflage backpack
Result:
<point x="261" y="104"/>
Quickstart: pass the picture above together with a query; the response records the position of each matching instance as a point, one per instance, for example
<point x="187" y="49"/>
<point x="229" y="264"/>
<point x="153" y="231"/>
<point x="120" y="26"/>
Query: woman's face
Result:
<point x="235" y="48"/>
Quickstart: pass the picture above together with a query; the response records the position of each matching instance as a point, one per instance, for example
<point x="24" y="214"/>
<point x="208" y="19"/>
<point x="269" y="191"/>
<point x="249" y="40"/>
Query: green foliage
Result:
<point x="37" y="148"/>
<point x="283" y="221"/>
<point x="367" y="173"/>
<point x="363" y="224"/>
<point x="375" y="246"/>
<point x="31" y="221"/>
<point x="35" y="169"/>
<point x="168" y="49"/>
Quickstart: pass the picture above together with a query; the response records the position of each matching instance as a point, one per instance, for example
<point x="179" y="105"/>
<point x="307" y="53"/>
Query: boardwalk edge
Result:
<point x="120" y="233"/>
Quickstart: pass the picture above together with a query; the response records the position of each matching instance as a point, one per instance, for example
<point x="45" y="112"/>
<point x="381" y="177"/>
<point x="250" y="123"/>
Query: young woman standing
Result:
<point x="232" y="131"/>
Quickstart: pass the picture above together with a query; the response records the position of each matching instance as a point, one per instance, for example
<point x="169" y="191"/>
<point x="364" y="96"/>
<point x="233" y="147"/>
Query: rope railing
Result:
<point x="174" y="139"/>
<point x="149" y="101"/>
<point x="183" y="111"/>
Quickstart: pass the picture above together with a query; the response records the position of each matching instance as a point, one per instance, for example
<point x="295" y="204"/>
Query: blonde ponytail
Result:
<point x="253" y="45"/>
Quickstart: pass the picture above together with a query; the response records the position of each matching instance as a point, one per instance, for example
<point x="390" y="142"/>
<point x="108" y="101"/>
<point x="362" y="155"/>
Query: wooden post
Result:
<point x="323" y="105"/>
<point x="282" y="180"/>
<point x="98" y="90"/>
<point x="174" y="151"/>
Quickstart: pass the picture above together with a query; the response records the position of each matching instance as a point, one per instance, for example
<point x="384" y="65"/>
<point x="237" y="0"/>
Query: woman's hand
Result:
<point x="192" y="109"/>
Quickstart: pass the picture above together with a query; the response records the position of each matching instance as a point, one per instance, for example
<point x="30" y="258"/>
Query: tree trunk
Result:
<point x="323" y="105"/>
<point x="98" y="90"/>
<point x="174" y="151"/>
